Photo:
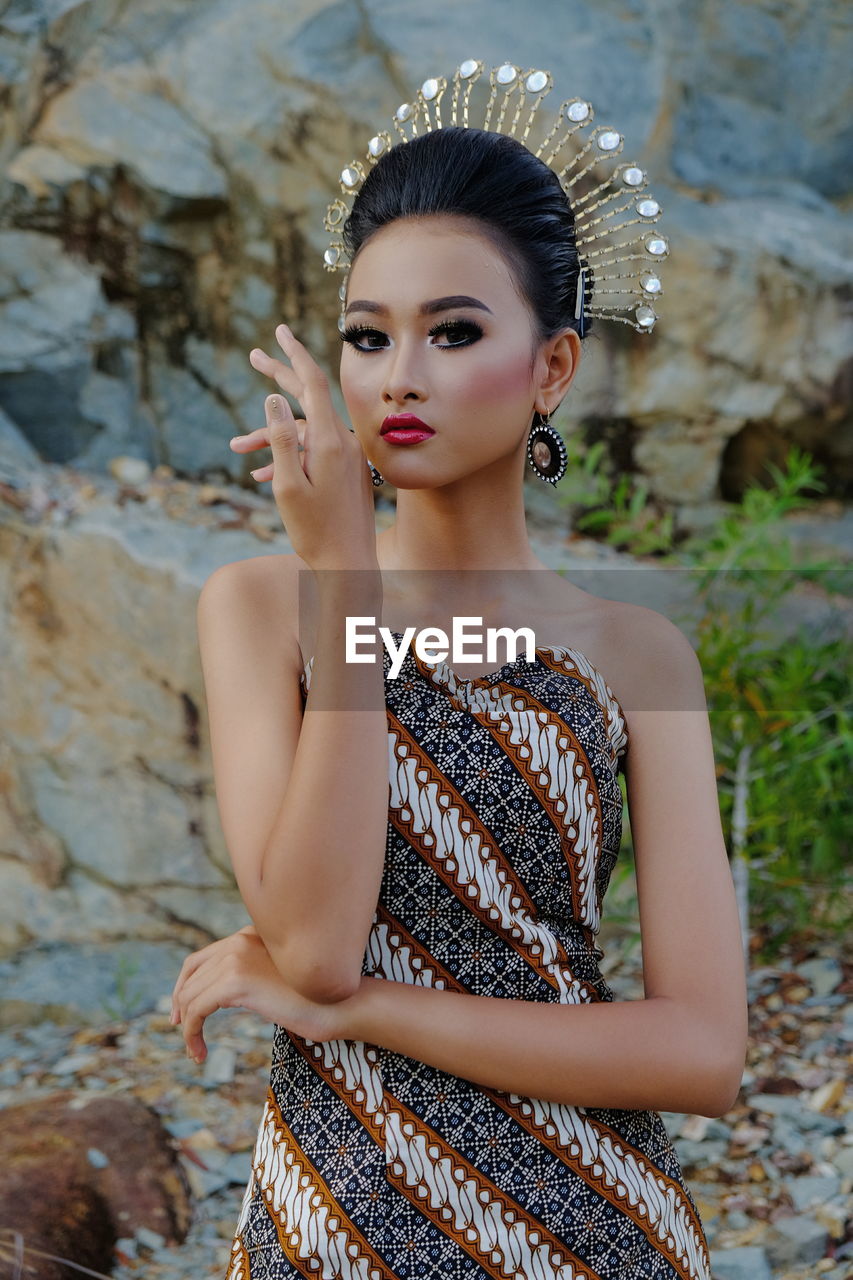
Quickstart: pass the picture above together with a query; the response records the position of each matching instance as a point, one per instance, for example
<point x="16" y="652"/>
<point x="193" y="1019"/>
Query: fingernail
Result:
<point x="274" y="403"/>
<point x="254" y="474"/>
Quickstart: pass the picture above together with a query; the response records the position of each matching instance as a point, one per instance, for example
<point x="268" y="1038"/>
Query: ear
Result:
<point x="558" y="361"/>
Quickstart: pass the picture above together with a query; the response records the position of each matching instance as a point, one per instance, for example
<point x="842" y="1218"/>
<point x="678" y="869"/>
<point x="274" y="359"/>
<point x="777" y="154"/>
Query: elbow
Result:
<point x="722" y="1080"/>
<point x="729" y="1082"/>
<point x="710" y="1068"/>
<point x="318" y="980"/>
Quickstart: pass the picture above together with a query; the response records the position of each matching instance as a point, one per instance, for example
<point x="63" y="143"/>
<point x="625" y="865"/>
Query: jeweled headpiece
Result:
<point x="597" y="201"/>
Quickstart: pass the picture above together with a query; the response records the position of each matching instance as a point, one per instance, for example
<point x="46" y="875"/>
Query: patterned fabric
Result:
<point x="504" y="823"/>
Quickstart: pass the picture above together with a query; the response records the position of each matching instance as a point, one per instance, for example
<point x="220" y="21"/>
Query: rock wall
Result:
<point x="167" y="163"/>
<point x="165" y="170"/>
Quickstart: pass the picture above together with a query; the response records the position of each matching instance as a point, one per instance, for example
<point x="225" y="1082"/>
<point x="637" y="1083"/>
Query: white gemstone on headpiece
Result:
<point x="506" y="74"/>
<point x="429" y="89"/>
<point x="648" y="208"/>
<point x="330" y="257"/>
<point x="376" y="145"/>
<point x="657" y="245"/>
<point x="404" y="111"/>
<point x="645" y="316"/>
<point x="650" y="284"/>
<point x="350" y="177"/>
<point x="468" y="67"/>
<point x="633" y="176"/>
<point x="342" y="324"/>
<point x="608" y="140"/>
<point x="577" y="111"/>
<point x="536" y="82"/>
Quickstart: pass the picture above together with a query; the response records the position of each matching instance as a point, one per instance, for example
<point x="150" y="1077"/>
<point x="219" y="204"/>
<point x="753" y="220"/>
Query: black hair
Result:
<point x="495" y="179"/>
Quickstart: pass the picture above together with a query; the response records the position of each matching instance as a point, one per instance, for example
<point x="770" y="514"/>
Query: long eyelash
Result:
<point x="353" y="332"/>
<point x="468" y="325"/>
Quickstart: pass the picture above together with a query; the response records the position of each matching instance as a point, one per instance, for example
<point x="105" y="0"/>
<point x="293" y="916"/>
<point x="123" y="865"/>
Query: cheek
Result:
<point x="500" y="379"/>
<point x="357" y="385"/>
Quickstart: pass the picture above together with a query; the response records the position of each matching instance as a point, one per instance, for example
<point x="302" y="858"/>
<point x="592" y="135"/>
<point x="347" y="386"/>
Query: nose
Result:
<point x="403" y="377"/>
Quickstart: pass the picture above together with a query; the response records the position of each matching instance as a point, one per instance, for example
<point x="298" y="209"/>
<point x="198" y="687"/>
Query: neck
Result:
<point x="476" y="523"/>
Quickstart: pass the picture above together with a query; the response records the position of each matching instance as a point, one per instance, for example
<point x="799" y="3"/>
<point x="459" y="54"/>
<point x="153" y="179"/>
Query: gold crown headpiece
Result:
<point x="596" y="201"/>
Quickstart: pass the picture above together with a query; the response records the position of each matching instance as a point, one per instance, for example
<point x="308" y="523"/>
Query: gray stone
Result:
<point x="238" y="1167"/>
<point x="809" y="1121"/>
<point x="739" y="124"/>
<point x="19" y="461"/>
<point x="104" y="982"/>
<point x="692" y="1154"/>
<point x="795" y="1240"/>
<point x="776" y="1104"/>
<point x="219" y="1066"/>
<point x="53" y="316"/>
<point x="121" y="117"/>
<point x="149" y="1239"/>
<point x="807" y="1191"/>
<point x="747" y="1262"/>
<point x="823" y="974"/>
<point x="788" y="1136"/>
<point x="194" y="425"/>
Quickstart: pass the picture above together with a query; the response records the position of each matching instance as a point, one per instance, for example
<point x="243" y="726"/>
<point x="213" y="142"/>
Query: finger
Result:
<point x="191" y="965"/>
<point x="214" y="989"/>
<point x="287" y="471"/>
<point x="201" y="998"/>
<point x="283" y="374"/>
<point x="316" y="397"/>
<point x="259" y="439"/>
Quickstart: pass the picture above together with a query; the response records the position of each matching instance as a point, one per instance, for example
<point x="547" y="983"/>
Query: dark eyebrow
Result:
<point x="426" y="308"/>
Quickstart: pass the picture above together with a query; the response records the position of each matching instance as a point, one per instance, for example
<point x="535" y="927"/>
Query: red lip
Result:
<point x="403" y="421"/>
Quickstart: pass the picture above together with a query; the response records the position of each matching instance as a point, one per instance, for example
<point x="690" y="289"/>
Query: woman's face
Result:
<point x="413" y="346"/>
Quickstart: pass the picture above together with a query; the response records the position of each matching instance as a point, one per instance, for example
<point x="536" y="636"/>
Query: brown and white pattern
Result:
<point x="504" y="824"/>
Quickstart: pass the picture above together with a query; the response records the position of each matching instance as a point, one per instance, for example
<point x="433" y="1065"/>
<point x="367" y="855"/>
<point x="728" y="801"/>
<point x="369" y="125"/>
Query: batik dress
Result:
<point x="504" y="823"/>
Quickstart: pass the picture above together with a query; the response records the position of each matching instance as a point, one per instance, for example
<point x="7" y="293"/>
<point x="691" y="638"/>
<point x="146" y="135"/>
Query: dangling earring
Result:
<point x="546" y="451"/>
<point x="375" y="474"/>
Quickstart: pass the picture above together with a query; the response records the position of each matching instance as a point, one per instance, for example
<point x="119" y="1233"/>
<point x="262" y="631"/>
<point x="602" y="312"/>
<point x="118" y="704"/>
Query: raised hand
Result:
<point x="323" y="494"/>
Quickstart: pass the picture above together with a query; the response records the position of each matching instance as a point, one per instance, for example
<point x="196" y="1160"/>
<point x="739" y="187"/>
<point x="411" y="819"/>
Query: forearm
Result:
<point x="624" y="1054"/>
<point x="322" y="868"/>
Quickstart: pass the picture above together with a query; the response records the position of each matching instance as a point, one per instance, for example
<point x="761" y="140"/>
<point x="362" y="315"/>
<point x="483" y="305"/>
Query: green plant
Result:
<point x="619" y="512"/>
<point x="779" y="705"/>
<point x="780" y="712"/>
<point x="126" y="1003"/>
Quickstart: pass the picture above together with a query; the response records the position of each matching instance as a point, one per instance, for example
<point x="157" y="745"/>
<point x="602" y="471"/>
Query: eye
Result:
<point x="468" y="330"/>
<point x="354" y="332"/>
<point x="363" y="337"/>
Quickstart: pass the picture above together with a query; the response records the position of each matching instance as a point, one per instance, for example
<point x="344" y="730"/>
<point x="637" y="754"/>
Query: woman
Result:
<point x="454" y="1089"/>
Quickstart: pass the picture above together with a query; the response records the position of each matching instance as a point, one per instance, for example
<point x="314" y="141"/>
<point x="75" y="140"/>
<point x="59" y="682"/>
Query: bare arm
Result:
<point x="303" y="800"/>
<point x="650" y="1053"/>
<point x="682" y="1047"/>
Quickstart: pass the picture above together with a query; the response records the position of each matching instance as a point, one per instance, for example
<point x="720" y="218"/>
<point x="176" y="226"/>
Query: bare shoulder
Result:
<point x="651" y="662"/>
<point x="266" y="590"/>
